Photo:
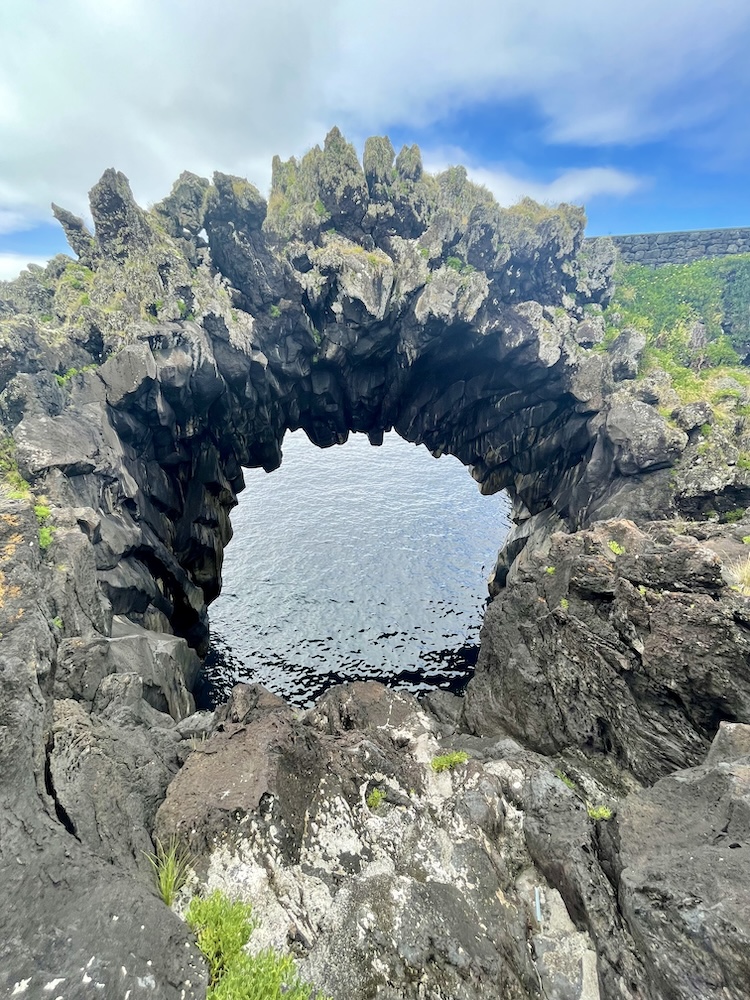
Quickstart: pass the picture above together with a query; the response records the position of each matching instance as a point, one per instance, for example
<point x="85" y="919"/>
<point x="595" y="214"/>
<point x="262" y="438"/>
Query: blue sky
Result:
<point x="638" y="110"/>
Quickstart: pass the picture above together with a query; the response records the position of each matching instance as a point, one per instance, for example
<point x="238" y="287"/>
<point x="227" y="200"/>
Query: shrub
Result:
<point x="447" y="761"/>
<point x="171" y="864"/>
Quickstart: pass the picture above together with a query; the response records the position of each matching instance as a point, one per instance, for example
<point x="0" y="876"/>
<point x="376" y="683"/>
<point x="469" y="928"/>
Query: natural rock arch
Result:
<point x="134" y="385"/>
<point x="358" y="299"/>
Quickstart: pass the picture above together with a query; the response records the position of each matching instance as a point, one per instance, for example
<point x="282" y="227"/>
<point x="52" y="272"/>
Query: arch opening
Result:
<point x="356" y="563"/>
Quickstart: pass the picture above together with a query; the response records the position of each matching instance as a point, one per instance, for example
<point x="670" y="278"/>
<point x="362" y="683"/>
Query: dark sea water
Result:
<point x="354" y="563"/>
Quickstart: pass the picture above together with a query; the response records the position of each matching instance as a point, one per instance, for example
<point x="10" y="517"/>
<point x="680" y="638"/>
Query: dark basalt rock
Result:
<point x="133" y="390"/>
<point x="678" y="852"/>
<point x="604" y="640"/>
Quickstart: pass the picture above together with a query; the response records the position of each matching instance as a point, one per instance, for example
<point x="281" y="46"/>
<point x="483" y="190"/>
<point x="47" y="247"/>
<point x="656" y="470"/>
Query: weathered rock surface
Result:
<point x="678" y="854"/>
<point x="605" y="639"/>
<point x="137" y="381"/>
<point x="430" y="892"/>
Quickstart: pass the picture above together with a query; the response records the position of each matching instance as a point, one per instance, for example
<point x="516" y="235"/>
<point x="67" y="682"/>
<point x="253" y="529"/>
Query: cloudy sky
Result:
<point x="636" y="108"/>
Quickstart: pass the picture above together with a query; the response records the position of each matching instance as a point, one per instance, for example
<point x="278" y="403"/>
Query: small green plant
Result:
<point x="566" y="780"/>
<point x="42" y="512"/>
<point x="424" y="252"/>
<point x="58" y="622"/>
<point x="598" y="812"/>
<point x="454" y="263"/>
<point x="447" y="761"/>
<point x="223" y="927"/>
<point x="45" y="536"/>
<point x="375" y="799"/>
<point x="615" y="547"/>
<point x="564" y="603"/>
<point x="15" y="485"/>
<point x="185" y="312"/>
<point x="171" y="863"/>
<point x="642" y="590"/>
<point x="549" y="570"/>
<point x="274" y="312"/>
<point x="705" y="430"/>
<point x="746" y="539"/>
<point x="71" y="374"/>
<point x="731" y="516"/>
<point x="743" y="461"/>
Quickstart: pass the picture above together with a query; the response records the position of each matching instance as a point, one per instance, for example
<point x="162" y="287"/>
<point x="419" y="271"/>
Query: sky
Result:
<point x="637" y="109"/>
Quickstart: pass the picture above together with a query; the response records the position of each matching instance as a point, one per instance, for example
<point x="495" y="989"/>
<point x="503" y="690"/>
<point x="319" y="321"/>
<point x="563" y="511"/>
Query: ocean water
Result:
<point x="354" y="563"/>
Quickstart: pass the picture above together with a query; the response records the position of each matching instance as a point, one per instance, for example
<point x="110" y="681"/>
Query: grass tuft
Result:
<point x="171" y="863"/>
<point x="598" y="812"/>
<point x="738" y="575"/>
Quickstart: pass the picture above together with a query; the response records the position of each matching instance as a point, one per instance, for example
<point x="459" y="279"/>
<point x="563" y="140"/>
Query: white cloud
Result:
<point x="577" y="186"/>
<point x="155" y="88"/>
<point x="11" y="264"/>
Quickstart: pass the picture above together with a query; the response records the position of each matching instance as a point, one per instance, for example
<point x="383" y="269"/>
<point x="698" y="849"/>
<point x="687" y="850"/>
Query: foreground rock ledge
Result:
<point x="137" y="381"/>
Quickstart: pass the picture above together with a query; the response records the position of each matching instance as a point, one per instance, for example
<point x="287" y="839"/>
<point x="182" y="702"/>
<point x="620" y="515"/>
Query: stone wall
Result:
<point x="656" y="249"/>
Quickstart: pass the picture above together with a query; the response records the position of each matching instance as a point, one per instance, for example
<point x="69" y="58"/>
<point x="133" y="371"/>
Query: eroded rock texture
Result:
<point x="137" y="381"/>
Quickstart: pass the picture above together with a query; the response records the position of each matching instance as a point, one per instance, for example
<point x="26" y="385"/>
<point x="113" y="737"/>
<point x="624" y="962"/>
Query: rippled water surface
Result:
<point x="354" y="563"/>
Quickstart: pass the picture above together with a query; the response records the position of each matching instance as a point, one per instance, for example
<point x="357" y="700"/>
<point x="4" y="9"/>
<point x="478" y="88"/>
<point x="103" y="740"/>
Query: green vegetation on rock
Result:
<point x="375" y="799"/>
<point x="171" y="864"/>
<point x="45" y="536"/>
<point x="15" y="486"/>
<point x="698" y="312"/>
<point x="222" y="928"/>
<point x="598" y="812"/>
<point x="566" y="780"/>
<point x="447" y="761"/>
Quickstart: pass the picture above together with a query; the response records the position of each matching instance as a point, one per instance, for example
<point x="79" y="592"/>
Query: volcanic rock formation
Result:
<point x="135" y="384"/>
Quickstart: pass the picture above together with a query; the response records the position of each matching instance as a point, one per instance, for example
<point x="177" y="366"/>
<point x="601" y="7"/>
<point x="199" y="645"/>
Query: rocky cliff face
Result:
<point x="138" y="380"/>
